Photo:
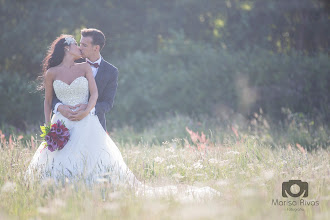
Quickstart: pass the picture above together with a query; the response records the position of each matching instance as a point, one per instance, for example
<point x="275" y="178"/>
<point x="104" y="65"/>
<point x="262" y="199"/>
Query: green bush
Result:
<point x="192" y="78"/>
<point x="20" y="102"/>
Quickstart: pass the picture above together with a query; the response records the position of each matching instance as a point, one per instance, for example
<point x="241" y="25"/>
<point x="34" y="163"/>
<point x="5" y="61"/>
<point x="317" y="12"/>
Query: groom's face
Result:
<point x="86" y="47"/>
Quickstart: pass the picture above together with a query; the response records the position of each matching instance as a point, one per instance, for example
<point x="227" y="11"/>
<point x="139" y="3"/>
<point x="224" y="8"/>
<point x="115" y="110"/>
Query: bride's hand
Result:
<point x="78" y="116"/>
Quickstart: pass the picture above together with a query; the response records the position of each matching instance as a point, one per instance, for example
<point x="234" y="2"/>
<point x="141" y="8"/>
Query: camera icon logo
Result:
<point x="286" y="188"/>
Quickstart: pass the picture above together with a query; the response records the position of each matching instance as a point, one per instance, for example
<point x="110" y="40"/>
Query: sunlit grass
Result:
<point x="247" y="172"/>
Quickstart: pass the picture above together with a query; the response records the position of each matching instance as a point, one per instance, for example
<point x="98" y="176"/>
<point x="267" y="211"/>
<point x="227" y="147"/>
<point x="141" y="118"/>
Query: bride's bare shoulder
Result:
<point x="51" y="73"/>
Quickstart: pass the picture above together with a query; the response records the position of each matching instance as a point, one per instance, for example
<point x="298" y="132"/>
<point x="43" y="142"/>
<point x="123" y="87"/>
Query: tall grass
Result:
<point x="245" y="166"/>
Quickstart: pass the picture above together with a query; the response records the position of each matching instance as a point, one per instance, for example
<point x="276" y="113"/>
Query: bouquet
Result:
<point x="55" y="135"/>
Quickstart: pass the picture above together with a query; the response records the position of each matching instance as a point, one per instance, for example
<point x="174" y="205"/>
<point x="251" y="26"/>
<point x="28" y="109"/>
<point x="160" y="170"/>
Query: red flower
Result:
<point x="60" y="143"/>
<point x="56" y="140"/>
<point x="52" y="134"/>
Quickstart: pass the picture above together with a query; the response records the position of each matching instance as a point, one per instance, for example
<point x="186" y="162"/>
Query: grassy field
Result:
<point x="242" y="166"/>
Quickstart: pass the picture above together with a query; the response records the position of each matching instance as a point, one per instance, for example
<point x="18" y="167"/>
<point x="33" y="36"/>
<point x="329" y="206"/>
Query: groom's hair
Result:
<point x="97" y="36"/>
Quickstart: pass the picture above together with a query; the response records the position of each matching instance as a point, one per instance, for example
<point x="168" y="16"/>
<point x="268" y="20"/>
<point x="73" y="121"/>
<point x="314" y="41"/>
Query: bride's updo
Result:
<point x="56" y="52"/>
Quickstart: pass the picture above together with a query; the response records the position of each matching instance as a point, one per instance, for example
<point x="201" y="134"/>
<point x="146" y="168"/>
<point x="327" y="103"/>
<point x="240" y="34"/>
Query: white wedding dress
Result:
<point x="90" y="153"/>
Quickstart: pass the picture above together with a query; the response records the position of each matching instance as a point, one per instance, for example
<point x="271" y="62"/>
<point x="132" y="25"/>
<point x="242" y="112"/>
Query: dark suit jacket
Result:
<point x="106" y="80"/>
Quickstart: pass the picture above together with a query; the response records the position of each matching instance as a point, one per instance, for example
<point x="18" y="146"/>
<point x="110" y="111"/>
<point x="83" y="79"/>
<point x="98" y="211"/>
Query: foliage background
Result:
<point x="231" y="94"/>
<point x="177" y="57"/>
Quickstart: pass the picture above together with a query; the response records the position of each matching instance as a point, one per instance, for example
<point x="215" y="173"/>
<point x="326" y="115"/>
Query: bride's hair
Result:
<point x="55" y="53"/>
<point x="54" y="56"/>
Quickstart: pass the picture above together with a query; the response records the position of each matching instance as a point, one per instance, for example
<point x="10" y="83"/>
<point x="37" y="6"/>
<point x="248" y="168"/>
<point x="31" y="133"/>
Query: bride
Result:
<point x="90" y="153"/>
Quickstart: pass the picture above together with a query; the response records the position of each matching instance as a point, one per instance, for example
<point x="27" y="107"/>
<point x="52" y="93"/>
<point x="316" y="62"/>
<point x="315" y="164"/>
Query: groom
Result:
<point x="105" y="74"/>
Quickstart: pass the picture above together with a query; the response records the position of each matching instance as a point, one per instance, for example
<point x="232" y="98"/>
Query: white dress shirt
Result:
<point x="94" y="69"/>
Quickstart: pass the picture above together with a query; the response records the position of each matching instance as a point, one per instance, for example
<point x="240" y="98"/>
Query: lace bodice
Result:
<point x="73" y="94"/>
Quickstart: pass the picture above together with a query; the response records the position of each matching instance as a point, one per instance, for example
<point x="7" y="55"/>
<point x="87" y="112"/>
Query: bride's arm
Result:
<point x="92" y="89"/>
<point x="48" y="96"/>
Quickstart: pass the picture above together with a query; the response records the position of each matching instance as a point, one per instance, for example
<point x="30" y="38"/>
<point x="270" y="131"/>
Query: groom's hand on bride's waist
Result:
<point x="78" y="116"/>
<point x="80" y="107"/>
<point x="67" y="110"/>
